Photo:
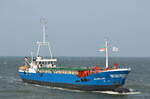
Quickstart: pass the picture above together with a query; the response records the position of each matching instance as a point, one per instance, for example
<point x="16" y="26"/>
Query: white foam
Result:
<point x="117" y="93"/>
<point x="59" y="88"/>
<point x="132" y="92"/>
<point x="71" y="90"/>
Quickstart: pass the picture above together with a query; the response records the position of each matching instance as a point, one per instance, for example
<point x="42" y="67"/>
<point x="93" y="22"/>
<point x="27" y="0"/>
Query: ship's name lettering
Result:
<point x="99" y="78"/>
<point x="118" y="75"/>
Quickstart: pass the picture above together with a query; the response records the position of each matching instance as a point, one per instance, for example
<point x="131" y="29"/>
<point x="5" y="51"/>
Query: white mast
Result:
<point x="43" y="21"/>
<point x="44" y="43"/>
<point x="31" y="56"/>
<point x="106" y="46"/>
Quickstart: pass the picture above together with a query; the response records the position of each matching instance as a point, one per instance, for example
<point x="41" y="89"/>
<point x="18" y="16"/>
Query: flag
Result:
<point x="102" y="49"/>
<point x="115" y="49"/>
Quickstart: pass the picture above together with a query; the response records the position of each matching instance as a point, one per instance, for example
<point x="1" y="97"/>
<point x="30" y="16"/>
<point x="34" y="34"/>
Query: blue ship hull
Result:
<point x="108" y="80"/>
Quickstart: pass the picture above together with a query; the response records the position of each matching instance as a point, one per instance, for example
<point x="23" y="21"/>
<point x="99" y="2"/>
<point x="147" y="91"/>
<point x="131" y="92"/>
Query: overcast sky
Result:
<point x="76" y="27"/>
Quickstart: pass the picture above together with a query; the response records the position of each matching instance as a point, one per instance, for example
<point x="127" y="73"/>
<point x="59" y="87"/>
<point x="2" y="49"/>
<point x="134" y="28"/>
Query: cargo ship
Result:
<point x="43" y="71"/>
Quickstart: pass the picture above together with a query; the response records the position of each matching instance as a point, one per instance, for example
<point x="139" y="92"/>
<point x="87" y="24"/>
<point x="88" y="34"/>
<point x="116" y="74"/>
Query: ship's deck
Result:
<point x="65" y="68"/>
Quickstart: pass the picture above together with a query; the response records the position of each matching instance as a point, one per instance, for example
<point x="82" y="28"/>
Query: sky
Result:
<point x="76" y="27"/>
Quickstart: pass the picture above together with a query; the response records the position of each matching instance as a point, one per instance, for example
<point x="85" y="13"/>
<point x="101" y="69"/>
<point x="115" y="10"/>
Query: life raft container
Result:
<point x="83" y="73"/>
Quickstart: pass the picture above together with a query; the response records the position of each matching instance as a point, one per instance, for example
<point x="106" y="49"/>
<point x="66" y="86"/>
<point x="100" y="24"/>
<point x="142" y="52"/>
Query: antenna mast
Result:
<point x="44" y="43"/>
<point x="44" y="22"/>
<point x="106" y="46"/>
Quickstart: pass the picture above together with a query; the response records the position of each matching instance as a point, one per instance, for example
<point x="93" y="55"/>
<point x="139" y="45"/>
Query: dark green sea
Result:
<point x="12" y="87"/>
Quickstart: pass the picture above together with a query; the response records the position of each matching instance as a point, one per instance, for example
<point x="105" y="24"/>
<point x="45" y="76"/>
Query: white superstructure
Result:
<point x="39" y="61"/>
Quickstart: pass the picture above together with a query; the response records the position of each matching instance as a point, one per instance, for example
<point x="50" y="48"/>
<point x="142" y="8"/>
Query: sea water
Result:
<point x="12" y="87"/>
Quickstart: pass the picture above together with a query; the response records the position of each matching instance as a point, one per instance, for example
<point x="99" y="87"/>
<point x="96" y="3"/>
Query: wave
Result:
<point x="59" y="88"/>
<point x="132" y="92"/>
<point x="10" y="79"/>
<point x="117" y="93"/>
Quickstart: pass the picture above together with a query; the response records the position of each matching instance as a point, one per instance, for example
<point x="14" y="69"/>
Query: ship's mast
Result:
<point x="106" y="46"/>
<point x="44" y="43"/>
<point x="44" y="22"/>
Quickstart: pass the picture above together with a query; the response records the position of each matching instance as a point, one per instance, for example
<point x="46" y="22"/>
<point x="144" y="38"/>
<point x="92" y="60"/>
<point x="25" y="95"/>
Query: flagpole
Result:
<point x="106" y="46"/>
